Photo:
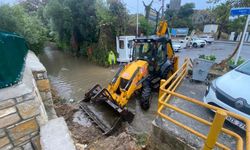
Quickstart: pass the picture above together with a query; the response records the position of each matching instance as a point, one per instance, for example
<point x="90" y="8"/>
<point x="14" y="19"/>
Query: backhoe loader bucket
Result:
<point x="101" y="108"/>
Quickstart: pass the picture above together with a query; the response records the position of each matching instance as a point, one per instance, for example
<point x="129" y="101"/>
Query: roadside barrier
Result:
<point x="210" y="140"/>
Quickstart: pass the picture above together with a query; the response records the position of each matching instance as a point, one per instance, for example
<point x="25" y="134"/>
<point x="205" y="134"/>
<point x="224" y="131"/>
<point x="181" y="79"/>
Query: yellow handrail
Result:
<point x="215" y="127"/>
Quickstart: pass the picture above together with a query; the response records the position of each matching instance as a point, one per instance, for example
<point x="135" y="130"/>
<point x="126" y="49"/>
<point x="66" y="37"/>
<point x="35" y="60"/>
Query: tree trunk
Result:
<point x="224" y="63"/>
<point x="78" y="50"/>
<point x="219" y="33"/>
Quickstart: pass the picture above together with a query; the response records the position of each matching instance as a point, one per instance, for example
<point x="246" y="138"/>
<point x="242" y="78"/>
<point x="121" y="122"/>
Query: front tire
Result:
<point x="145" y="95"/>
<point x="195" y="45"/>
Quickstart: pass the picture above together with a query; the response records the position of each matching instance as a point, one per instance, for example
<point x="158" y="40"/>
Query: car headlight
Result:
<point x="213" y="86"/>
<point x="210" y="86"/>
<point x="207" y="90"/>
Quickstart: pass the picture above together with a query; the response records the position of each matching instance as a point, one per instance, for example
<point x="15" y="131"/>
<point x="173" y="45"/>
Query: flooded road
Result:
<point x="71" y="77"/>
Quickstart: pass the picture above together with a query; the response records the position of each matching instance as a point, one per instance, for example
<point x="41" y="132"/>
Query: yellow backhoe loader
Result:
<point x="153" y="60"/>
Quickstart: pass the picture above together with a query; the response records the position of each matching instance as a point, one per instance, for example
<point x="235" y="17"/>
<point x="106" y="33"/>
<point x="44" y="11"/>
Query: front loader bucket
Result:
<point x="100" y="107"/>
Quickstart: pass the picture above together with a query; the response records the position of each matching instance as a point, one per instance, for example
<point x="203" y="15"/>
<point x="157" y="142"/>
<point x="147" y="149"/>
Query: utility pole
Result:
<point x="242" y="40"/>
<point x="157" y="18"/>
<point x="163" y="3"/>
<point x="137" y="18"/>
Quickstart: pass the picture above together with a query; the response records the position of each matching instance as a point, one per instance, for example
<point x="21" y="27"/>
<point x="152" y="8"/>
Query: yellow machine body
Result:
<point x="134" y="71"/>
<point x="162" y="28"/>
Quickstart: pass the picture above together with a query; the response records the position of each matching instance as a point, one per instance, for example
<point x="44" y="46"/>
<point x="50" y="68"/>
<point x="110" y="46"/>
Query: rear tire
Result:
<point x="145" y="95"/>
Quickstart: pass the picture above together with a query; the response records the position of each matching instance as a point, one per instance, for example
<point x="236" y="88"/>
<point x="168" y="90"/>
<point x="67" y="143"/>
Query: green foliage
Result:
<point x="73" y="24"/>
<point x="103" y="14"/>
<point x="119" y="15"/>
<point x="208" y="57"/>
<point x="233" y="3"/>
<point x="240" y="61"/>
<point x="100" y="56"/>
<point x="90" y="23"/>
<point x="145" y="26"/>
<point x="236" y="25"/>
<point x="181" y="18"/>
<point x="222" y="13"/>
<point x="16" y="19"/>
<point x="59" y="19"/>
<point x="142" y="139"/>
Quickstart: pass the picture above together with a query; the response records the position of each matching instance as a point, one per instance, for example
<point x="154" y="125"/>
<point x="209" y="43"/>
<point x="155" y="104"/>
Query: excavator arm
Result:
<point x="162" y="28"/>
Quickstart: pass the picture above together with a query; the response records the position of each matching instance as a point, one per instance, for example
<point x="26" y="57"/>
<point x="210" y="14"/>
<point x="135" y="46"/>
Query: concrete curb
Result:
<point x="231" y="42"/>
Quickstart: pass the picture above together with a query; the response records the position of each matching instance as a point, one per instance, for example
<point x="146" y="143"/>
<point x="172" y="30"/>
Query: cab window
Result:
<point x="121" y="44"/>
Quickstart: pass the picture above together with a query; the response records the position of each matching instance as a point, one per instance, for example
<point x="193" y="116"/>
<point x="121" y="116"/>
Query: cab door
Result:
<point x="121" y="49"/>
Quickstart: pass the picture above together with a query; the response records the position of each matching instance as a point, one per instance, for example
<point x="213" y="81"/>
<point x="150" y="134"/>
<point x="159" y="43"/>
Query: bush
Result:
<point x="16" y="19"/>
<point x="100" y="56"/>
<point x="240" y="61"/>
<point x="210" y="57"/>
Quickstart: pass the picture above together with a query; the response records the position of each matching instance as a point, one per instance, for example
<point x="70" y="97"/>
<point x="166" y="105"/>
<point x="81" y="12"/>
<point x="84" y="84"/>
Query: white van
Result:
<point x="208" y="38"/>
<point x="124" y="48"/>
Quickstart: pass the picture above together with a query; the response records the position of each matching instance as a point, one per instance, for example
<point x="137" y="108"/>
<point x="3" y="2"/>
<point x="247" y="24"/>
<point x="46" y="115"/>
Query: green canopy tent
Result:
<point x="13" y="51"/>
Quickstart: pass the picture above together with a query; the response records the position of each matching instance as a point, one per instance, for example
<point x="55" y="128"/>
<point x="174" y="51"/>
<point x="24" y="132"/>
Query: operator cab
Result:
<point x="153" y="50"/>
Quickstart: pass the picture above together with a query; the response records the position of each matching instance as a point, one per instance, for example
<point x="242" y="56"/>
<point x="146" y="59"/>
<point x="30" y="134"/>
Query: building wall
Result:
<point x="22" y="109"/>
<point x="175" y="4"/>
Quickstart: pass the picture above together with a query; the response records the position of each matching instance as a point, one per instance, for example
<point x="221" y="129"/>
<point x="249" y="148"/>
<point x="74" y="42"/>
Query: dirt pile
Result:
<point x="81" y="134"/>
<point x="123" y="141"/>
<point x="88" y="137"/>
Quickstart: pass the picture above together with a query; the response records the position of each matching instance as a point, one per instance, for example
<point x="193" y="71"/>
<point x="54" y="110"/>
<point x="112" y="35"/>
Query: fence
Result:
<point x="220" y="114"/>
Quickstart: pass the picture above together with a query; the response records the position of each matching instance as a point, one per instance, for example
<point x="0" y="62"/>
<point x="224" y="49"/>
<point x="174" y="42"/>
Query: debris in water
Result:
<point x="80" y="118"/>
<point x="71" y="100"/>
<point x="64" y="69"/>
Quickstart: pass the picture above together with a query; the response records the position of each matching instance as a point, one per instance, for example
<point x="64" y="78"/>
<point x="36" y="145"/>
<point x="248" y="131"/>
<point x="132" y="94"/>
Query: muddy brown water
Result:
<point x="71" y="77"/>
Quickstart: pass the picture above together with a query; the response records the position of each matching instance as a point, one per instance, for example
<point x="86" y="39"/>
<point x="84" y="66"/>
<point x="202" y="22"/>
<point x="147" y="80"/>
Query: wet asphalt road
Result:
<point x="220" y="49"/>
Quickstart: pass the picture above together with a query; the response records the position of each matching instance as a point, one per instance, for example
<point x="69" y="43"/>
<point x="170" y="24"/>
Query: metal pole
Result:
<point x="137" y="19"/>
<point x="162" y="9"/>
<point x="242" y="40"/>
<point x="215" y="129"/>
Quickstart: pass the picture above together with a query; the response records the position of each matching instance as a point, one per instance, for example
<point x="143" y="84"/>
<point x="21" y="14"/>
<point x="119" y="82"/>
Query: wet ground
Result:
<point x="219" y="49"/>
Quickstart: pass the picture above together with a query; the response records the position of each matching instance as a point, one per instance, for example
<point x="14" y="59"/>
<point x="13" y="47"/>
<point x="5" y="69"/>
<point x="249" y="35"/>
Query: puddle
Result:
<point x="80" y="118"/>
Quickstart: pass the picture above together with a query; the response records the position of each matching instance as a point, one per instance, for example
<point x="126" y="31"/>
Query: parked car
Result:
<point x="196" y="42"/>
<point x="208" y="38"/>
<point x="231" y="92"/>
<point x="176" y="46"/>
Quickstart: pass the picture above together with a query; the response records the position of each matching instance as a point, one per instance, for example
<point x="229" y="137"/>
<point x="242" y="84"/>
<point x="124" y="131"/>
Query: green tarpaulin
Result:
<point x="13" y="51"/>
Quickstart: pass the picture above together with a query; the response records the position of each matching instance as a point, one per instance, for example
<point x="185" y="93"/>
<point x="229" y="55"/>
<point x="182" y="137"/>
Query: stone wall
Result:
<point x="22" y="110"/>
<point x="43" y="84"/>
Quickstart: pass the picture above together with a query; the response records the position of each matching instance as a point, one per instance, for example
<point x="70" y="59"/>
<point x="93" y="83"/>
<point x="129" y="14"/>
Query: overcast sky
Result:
<point x="132" y="4"/>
